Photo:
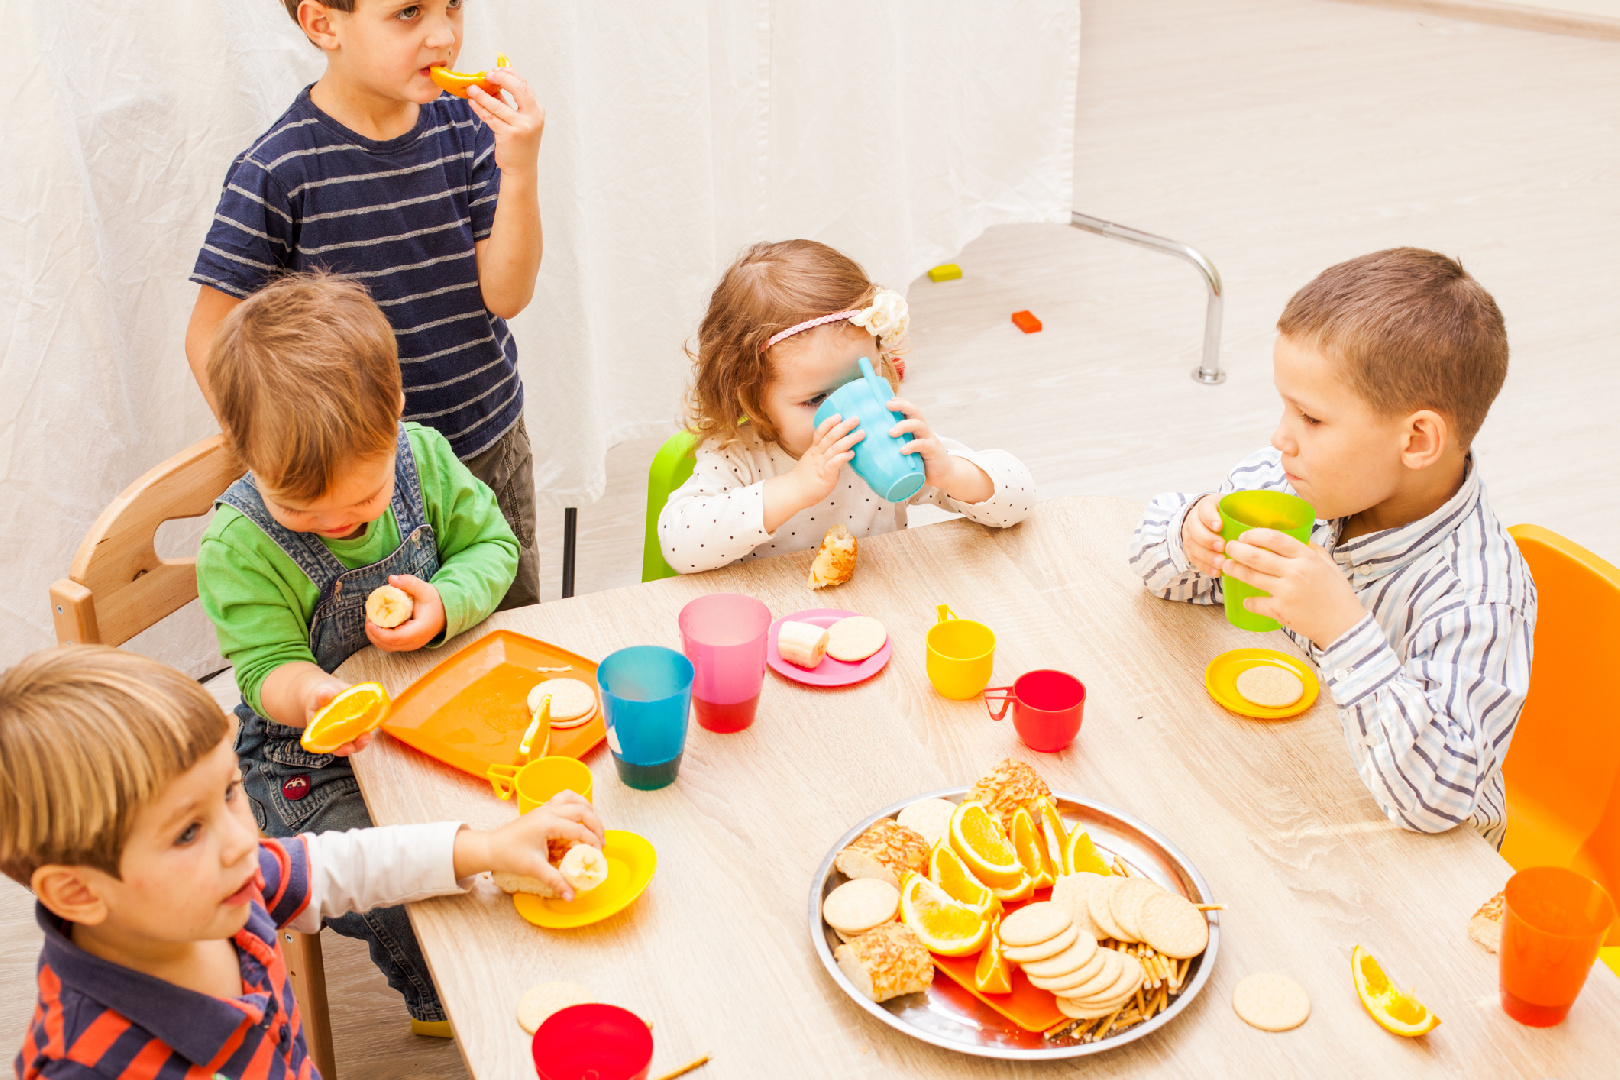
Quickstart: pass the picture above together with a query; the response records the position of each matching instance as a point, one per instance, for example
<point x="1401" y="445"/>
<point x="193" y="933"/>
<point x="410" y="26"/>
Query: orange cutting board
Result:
<point x="471" y="710"/>
<point x="1028" y="1006"/>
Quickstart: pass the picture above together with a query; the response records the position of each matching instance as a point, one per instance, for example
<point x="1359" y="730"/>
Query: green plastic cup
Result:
<point x="1245" y="510"/>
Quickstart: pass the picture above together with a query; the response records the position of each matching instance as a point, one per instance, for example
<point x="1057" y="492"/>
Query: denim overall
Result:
<point x="294" y="791"/>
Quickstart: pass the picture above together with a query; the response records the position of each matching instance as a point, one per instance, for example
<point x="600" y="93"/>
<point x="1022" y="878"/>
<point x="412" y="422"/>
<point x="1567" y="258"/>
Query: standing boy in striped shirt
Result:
<point x="1412" y="599"/>
<point x="428" y="200"/>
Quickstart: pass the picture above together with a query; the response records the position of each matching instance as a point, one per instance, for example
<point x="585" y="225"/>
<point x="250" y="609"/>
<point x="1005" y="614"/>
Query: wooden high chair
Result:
<point x="119" y="586"/>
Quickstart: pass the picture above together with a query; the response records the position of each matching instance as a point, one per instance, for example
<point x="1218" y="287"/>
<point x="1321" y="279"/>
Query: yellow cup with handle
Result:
<point x="536" y="782"/>
<point x="961" y="654"/>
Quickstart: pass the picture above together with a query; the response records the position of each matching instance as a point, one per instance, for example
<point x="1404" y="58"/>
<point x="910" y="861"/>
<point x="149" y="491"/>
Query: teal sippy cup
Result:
<point x="894" y="476"/>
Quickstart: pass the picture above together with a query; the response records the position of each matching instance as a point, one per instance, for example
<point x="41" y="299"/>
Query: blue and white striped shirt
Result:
<point x="1431" y="683"/>
<point x="401" y="216"/>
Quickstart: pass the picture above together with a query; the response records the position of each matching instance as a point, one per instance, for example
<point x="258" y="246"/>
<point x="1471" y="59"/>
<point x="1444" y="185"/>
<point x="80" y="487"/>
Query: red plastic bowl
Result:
<point x="593" y="1042"/>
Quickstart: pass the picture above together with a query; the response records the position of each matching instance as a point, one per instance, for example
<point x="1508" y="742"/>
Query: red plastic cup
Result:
<point x="1047" y="707"/>
<point x="724" y="635"/>
<point x="1553" y="921"/>
<point x="593" y="1042"/>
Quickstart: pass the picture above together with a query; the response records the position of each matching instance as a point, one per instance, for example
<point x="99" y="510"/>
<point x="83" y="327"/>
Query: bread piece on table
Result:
<point x="1486" y="925"/>
<point x="835" y="559"/>
<point x="1008" y="786"/>
<point x="885" y="851"/>
<point x="886" y="962"/>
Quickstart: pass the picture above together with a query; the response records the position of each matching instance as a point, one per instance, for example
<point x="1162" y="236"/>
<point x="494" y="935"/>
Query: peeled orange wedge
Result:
<point x="1031" y="850"/>
<point x="1081" y="857"/>
<point x="943" y="925"/>
<point x="977" y="837"/>
<point x="993" y="975"/>
<point x="457" y="82"/>
<point x="355" y="711"/>
<point x="1401" y="1014"/>
<point x="947" y="870"/>
<point x="1054" y="835"/>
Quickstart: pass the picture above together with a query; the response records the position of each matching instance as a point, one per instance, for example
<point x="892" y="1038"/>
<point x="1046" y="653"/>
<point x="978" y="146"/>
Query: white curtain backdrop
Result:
<point x="677" y="132"/>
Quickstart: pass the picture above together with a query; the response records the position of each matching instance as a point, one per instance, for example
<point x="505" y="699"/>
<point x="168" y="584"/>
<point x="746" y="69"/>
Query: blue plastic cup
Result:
<point x="646" y="698"/>
<point x="894" y="476"/>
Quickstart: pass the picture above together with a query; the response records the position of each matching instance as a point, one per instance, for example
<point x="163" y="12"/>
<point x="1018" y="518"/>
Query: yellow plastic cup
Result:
<point x="536" y="782"/>
<point x="961" y="654"/>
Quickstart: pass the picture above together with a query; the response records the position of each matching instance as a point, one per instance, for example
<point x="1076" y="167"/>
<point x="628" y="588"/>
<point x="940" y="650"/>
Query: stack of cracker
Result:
<point x="1090" y="982"/>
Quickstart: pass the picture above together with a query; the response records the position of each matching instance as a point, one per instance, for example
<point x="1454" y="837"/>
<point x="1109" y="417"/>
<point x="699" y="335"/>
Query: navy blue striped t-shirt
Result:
<point x="400" y="216"/>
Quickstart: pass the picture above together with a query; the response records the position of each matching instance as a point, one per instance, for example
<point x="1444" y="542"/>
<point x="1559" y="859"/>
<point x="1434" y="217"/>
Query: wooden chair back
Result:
<point x="118" y="585"/>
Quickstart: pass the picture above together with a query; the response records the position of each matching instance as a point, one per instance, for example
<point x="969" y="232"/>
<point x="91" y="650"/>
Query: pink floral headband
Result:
<point x="886" y="317"/>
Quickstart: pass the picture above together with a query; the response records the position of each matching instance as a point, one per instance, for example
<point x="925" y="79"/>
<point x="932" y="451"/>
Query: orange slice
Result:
<point x="1054" y="835"/>
<point x="1081" y="856"/>
<point x="355" y="711"/>
<point x="940" y="923"/>
<point x="1022" y="889"/>
<point x="947" y="870"/>
<point x="1031" y="850"/>
<point x="457" y="82"/>
<point x="1398" y="1013"/>
<point x="977" y="837"/>
<point x="993" y="974"/>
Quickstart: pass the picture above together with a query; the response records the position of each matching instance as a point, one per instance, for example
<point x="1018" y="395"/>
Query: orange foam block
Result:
<point x="1027" y="322"/>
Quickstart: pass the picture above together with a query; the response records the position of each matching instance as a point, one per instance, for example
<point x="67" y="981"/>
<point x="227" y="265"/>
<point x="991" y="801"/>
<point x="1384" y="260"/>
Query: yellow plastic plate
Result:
<point x="1220" y="679"/>
<point x="631" y="862"/>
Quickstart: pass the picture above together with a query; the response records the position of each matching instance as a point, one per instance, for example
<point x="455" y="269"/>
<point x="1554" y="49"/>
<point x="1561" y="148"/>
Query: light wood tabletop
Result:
<point x="717" y="955"/>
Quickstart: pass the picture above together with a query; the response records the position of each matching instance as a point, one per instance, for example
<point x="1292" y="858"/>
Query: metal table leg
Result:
<point x="570" y="526"/>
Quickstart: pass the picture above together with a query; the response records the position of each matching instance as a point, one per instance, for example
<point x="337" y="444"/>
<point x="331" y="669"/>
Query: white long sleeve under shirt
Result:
<point x="361" y="869"/>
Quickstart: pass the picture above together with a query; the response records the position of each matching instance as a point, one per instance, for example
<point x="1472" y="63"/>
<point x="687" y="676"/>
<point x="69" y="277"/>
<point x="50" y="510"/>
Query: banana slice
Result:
<point x="388" y="606"/>
<point x="802" y="643"/>
<point x="584" y="867"/>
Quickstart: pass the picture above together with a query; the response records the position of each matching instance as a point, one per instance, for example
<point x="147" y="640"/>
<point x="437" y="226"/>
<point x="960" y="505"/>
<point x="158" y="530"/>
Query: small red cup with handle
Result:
<point x="1047" y="707"/>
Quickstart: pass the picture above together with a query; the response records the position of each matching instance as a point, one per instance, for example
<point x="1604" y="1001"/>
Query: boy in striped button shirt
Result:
<point x="122" y="809"/>
<point x="428" y="200"/>
<point x="1412" y="599"/>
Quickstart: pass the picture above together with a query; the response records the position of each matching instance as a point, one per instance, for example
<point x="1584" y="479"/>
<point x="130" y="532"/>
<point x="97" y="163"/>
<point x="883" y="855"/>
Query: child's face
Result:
<point x="1341" y="455"/>
<point x="358" y="496"/>
<point x="190" y="860"/>
<point x="387" y="46"/>
<point x="804" y="370"/>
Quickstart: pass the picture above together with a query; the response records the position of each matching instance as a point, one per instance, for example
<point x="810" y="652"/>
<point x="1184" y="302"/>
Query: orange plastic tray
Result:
<point x="471" y="710"/>
<point x="1028" y="1006"/>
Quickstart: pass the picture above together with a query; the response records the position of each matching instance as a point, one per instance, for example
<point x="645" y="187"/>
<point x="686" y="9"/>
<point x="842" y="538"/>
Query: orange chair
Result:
<point x="1564" y="763"/>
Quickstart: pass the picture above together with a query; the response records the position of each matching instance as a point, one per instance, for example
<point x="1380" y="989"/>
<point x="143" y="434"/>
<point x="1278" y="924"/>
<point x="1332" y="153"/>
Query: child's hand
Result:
<point x="319" y="692"/>
<point x="816" y="474"/>
<point x="520" y="847"/>
<point x="1309" y="593"/>
<point x="957" y="477"/>
<point x="427" y="617"/>
<point x="517" y="128"/>
<point x="1201" y="535"/>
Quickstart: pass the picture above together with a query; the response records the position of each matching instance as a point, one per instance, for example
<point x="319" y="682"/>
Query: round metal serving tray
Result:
<point x="948" y="1016"/>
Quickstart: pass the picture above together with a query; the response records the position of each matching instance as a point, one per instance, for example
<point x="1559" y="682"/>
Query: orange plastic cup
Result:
<point x="1552" y="924"/>
<point x="536" y="782"/>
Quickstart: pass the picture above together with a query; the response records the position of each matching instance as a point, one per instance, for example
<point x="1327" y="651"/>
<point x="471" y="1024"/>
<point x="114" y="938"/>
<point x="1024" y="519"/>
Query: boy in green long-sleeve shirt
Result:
<point x="341" y="500"/>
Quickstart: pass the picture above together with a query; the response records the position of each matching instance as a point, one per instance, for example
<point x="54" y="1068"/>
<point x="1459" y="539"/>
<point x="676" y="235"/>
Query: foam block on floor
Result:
<point x="1027" y="322"/>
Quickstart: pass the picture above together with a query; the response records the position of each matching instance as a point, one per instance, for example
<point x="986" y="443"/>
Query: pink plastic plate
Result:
<point x="829" y="672"/>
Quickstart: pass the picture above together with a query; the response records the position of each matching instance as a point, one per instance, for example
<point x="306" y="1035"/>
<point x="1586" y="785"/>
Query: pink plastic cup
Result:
<point x="593" y="1042"/>
<point x="724" y="635"/>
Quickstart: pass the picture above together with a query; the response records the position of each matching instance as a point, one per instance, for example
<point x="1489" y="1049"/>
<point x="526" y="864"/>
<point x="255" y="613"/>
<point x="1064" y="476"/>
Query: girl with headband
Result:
<point x="785" y="328"/>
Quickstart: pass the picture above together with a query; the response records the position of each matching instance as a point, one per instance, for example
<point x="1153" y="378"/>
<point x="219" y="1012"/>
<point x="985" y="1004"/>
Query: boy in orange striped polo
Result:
<point x="121" y="807"/>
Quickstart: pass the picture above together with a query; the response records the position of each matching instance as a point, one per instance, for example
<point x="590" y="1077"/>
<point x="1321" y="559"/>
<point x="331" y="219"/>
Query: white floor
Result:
<point x="1278" y="136"/>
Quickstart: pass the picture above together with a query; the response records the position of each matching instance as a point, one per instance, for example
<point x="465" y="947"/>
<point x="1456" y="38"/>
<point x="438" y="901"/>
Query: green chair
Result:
<point x="670" y="467"/>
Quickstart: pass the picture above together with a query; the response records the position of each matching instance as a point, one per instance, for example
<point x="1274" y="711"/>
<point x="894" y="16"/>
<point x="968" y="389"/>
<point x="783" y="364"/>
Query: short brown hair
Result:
<point x="336" y="5"/>
<point x="305" y="375"/>
<point x="1413" y="331"/>
<point x="89" y="735"/>
<point x="769" y="288"/>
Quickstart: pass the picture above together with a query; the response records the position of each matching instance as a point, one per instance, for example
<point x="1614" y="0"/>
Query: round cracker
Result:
<point x="1270" y="686"/>
<point x="1066" y="962"/>
<point x="1065" y="983"/>
<point x="858" y="905"/>
<point x="571" y="699"/>
<point x="1105" y="975"/>
<point x="1035" y="923"/>
<point x="542" y="999"/>
<point x="1174" y="926"/>
<point x="1271" y="1002"/>
<point x="1099" y="902"/>
<point x="930" y="818"/>
<point x="1125" y="905"/>
<point x="1124" y="985"/>
<point x="1083" y="1012"/>
<point x="1029" y="954"/>
<point x="1072" y="889"/>
<point x="855" y="638"/>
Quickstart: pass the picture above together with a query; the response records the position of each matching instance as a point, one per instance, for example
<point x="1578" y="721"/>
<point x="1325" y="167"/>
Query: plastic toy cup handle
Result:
<point x="1003" y="694"/>
<point x="503" y="778"/>
<point x="1245" y="510"/>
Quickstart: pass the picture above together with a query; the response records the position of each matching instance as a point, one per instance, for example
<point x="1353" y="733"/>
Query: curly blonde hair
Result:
<point x="770" y="287"/>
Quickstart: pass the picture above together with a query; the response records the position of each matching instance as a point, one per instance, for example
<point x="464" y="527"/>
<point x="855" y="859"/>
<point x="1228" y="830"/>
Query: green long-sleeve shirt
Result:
<point x="261" y="602"/>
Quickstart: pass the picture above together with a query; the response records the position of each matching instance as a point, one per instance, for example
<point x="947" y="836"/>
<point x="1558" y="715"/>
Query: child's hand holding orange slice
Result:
<point x="457" y="82"/>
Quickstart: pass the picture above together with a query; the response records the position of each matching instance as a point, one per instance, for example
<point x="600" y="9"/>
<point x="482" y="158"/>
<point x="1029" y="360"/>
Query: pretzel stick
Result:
<point x="696" y="1063"/>
<point x="1109" y="1022"/>
<point x="1209" y="907"/>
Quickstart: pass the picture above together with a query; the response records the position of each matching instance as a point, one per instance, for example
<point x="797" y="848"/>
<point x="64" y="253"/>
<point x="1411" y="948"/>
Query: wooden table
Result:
<point x="717" y="954"/>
